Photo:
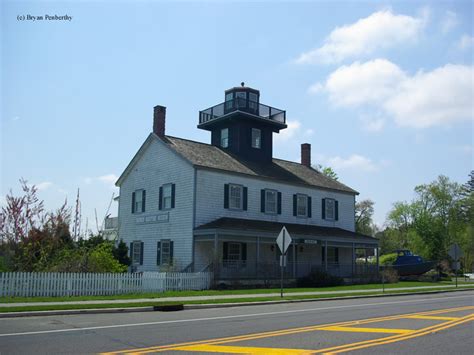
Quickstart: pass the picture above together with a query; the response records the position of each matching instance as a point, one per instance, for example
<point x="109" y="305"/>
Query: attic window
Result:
<point x="256" y="138"/>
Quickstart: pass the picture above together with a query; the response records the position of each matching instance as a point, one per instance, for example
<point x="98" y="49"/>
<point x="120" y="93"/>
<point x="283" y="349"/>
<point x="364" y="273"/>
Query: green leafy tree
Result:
<point x="327" y="171"/>
<point x="364" y="210"/>
<point x="120" y="253"/>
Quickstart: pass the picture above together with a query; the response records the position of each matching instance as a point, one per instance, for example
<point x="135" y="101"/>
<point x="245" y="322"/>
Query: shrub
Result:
<point x="320" y="278"/>
<point x="388" y="259"/>
<point x="389" y="275"/>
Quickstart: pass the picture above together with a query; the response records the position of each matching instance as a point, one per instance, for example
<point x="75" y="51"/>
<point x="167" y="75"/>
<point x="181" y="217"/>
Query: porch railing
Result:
<point x="233" y="270"/>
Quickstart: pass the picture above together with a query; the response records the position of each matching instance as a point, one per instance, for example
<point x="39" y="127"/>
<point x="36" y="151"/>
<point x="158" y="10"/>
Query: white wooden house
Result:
<point x="191" y="205"/>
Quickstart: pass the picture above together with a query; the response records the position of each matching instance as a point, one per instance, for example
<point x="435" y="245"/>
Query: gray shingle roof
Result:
<point x="293" y="228"/>
<point x="212" y="157"/>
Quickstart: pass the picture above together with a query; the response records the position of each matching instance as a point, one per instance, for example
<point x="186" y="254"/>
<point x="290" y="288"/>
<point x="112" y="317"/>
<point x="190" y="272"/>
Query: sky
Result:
<point x="382" y="90"/>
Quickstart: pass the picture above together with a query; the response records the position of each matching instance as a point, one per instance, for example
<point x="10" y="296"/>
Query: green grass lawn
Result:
<point x="223" y="292"/>
<point x="286" y="297"/>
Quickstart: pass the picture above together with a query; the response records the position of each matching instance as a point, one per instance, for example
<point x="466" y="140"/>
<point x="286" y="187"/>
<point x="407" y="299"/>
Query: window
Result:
<point x="138" y="201"/>
<point x="256" y="138"/>
<point x="164" y="252"/>
<point x="228" y="100"/>
<point x="225" y="138"/>
<point x="241" y="98"/>
<point x="333" y="255"/>
<point x="270" y="201"/>
<point x="253" y="101"/>
<point x="301" y="205"/>
<point x="235" y="193"/>
<point x="235" y="251"/>
<point x="235" y="197"/>
<point x="167" y="196"/>
<point x="136" y="252"/>
<point x="330" y="209"/>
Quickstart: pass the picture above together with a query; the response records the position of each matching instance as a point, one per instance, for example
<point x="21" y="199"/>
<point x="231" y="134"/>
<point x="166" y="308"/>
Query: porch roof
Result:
<point x="267" y="228"/>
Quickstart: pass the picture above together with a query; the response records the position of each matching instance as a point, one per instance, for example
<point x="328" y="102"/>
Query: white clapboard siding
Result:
<point x="47" y="284"/>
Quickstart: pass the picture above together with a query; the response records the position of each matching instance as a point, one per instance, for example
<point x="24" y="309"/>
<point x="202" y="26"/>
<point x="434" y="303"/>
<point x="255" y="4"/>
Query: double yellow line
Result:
<point x="336" y="349"/>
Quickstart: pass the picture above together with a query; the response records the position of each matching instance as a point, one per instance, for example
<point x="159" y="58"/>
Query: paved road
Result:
<point x="426" y="324"/>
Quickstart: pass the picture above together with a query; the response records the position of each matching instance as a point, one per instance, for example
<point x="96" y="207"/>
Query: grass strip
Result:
<point x="223" y="292"/>
<point x="212" y="301"/>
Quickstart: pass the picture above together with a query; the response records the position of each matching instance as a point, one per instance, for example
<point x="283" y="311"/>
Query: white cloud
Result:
<point x="108" y="179"/>
<point x="465" y="42"/>
<point x="372" y="124"/>
<point x="369" y="82"/>
<point x="381" y="30"/>
<point x="294" y="128"/>
<point x="354" y="162"/>
<point x="44" y="185"/>
<point x="16" y="118"/>
<point x="439" y="97"/>
<point x="309" y="132"/>
<point x="449" y="21"/>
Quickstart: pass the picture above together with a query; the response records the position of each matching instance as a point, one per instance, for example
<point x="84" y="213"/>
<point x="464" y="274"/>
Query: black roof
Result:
<point x="293" y="228"/>
<point x="212" y="157"/>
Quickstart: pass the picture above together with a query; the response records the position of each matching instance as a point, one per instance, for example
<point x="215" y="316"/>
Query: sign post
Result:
<point x="283" y="241"/>
<point x="455" y="252"/>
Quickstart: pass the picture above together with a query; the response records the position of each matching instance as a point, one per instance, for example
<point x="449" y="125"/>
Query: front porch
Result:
<point x="250" y="253"/>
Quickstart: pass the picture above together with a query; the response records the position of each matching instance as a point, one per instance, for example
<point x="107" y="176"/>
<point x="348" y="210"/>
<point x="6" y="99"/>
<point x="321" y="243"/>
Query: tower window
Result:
<point x="225" y="138"/>
<point x="256" y="138"/>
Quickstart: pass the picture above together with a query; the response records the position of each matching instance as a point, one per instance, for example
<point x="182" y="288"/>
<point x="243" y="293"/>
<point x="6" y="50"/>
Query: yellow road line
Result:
<point x="394" y="338"/>
<point x="432" y="317"/>
<point x="161" y="348"/>
<point x="367" y="330"/>
<point x="243" y="350"/>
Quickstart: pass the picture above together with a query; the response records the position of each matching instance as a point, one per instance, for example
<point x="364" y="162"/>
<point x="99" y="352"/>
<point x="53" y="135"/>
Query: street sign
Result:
<point x="283" y="260"/>
<point x="455" y="252"/>
<point x="283" y="240"/>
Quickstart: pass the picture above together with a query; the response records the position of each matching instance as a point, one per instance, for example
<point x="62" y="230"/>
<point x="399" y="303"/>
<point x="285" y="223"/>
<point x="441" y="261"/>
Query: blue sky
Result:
<point x="382" y="90"/>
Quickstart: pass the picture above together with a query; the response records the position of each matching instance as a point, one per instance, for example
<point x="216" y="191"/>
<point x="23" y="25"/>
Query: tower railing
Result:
<point x="242" y="105"/>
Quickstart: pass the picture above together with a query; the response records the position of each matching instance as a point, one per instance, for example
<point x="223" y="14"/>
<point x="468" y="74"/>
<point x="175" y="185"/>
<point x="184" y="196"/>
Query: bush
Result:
<point x="320" y="278"/>
<point x="388" y="259"/>
<point x="390" y="275"/>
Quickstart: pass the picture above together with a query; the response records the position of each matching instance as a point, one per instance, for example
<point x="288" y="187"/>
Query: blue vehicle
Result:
<point x="409" y="264"/>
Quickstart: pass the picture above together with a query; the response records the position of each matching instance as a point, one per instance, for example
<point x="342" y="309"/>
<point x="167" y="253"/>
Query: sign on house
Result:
<point x="283" y="240"/>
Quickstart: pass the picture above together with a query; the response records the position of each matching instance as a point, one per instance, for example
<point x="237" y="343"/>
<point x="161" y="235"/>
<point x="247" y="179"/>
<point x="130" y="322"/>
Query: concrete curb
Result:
<point x="208" y="306"/>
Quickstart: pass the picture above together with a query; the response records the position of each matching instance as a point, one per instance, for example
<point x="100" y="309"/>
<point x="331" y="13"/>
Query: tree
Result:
<point x="120" y="253"/>
<point x="327" y="171"/>
<point x="364" y="210"/>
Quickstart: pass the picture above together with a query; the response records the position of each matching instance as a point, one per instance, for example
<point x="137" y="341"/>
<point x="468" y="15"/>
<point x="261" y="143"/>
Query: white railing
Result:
<point x="46" y="284"/>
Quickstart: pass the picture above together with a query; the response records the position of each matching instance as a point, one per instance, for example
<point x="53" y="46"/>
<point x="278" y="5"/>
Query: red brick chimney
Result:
<point x="159" y="119"/>
<point x="306" y="154"/>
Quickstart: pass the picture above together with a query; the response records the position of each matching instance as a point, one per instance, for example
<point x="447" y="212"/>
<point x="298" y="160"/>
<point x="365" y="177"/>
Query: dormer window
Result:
<point x="256" y="138"/>
<point x="225" y="138"/>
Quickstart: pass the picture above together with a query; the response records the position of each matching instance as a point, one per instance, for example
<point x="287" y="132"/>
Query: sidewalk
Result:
<point x="235" y="296"/>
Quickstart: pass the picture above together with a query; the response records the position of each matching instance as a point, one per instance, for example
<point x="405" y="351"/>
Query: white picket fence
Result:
<point x="45" y="284"/>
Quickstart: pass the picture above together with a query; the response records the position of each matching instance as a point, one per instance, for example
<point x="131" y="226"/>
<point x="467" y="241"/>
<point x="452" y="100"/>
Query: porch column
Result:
<point x="353" y="258"/>
<point x="216" y="257"/>
<point x="257" y="258"/>
<point x="326" y="255"/>
<point x="294" y="259"/>
<point x="377" y="258"/>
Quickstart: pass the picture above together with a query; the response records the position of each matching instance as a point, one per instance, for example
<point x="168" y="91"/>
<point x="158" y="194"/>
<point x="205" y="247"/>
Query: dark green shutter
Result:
<point x="226" y="250"/>
<point x="143" y="200"/>
<point x="226" y="195"/>
<point x="171" y="251"/>
<point x="244" y="251"/>
<point x="336" y="255"/>
<point x="141" y="252"/>
<point x="262" y="200"/>
<point x="245" y="198"/>
<point x="131" y="251"/>
<point x="323" y="255"/>
<point x="309" y="206"/>
<point x="160" y="202"/>
<point x="336" y="207"/>
<point x="158" y="253"/>
<point x="279" y="203"/>
<point x="294" y="205"/>
<point x="133" y="202"/>
<point x="323" y="208"/>
<point x="173" y="193"/>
